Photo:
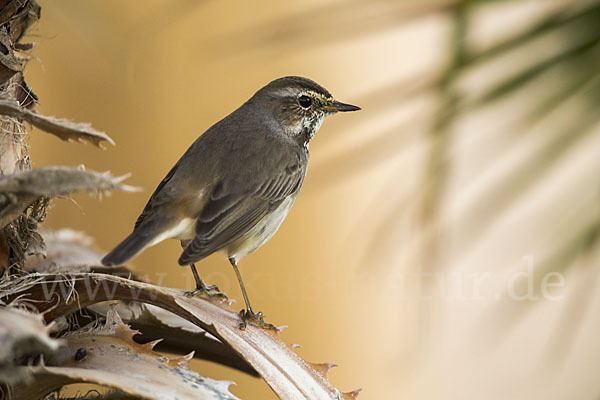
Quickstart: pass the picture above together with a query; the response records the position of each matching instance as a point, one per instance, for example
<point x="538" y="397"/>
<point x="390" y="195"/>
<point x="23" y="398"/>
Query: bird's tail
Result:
<point x="127" y="249"/>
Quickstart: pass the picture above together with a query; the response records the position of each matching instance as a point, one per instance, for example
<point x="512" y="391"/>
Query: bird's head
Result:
<point x="300" y="105"/>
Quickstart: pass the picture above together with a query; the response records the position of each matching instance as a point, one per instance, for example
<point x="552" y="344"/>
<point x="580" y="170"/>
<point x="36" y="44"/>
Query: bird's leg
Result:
<point x="248" y="313"/>
<point x="201" y="287"/>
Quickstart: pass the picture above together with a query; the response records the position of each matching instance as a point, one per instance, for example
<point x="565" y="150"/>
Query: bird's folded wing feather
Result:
<point x="234" y="209"/>
<point x="152" y="202"/>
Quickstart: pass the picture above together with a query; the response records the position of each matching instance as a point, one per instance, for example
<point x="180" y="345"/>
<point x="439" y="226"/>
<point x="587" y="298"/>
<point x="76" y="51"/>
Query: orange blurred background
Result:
<point x="408" y="301"/>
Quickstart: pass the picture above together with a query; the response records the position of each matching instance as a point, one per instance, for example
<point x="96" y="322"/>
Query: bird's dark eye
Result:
<point x="304" y="101"/>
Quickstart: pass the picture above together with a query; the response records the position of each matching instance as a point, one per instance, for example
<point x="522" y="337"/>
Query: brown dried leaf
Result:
<point x="23" y="93"/>
<point x="57" y="181"/>
<point x="18" y="15"/>
<point x="10" y="64"/>
<point x="64" y="129"/>
<point x="289" y="376"/>
<point x="21" y="334"/>
<point x="19" y="191"/>
<point x="8" y="9"/>
<point x="108" y="356"/>
<point x="68" y="251"/>
<point x="27" y="14"/>
<point x="176" y="335"/>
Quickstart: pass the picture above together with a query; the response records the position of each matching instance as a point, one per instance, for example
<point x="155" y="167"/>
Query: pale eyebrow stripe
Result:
<point x="288" y="92"/>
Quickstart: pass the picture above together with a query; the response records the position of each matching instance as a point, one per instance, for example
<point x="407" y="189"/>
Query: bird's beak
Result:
<point x="337" y="106"/>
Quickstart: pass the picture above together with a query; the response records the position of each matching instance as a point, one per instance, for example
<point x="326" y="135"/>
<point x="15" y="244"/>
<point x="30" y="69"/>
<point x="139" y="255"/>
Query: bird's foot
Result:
<point x="249" y="315"/>
<point x="210" y="290"/>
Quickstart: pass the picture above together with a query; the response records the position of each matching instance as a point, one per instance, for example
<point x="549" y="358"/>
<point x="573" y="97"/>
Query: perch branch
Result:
<point x="289" y="376"/>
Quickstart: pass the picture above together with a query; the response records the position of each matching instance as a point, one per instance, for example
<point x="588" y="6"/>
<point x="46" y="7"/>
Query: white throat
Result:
<point x="306" y="128"/>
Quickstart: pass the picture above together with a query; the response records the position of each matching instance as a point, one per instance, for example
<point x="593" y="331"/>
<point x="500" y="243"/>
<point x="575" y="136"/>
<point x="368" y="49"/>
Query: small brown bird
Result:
<point x="235" y="185"/>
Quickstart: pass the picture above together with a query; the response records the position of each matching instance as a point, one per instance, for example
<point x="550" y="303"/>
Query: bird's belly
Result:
<point x="183" y="230"/>
<point x="261" y="232"/>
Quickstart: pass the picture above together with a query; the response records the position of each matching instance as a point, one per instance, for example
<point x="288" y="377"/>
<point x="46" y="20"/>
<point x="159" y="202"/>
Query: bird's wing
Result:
<point x="233" y="210"/>
<point x="153" y="199"/>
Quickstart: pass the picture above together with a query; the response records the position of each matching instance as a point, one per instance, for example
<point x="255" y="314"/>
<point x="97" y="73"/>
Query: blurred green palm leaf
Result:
<point x="553" y="69"/>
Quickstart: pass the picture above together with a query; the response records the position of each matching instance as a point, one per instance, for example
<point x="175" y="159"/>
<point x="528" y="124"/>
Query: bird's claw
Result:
<point x="258" y="318"/>
<point x="211" y="291"/>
